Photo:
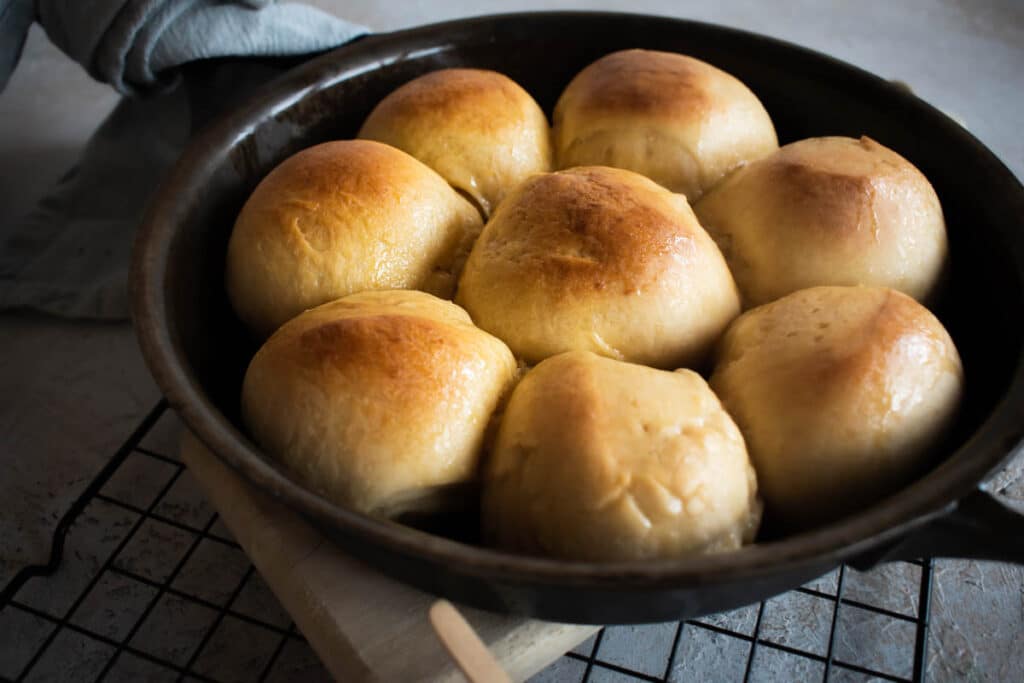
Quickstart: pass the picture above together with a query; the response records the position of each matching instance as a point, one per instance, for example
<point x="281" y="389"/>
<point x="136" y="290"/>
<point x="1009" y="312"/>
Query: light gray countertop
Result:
<point x="74" y="391"/>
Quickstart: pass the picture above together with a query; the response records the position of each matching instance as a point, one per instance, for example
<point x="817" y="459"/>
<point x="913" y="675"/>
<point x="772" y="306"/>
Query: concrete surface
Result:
<point x="71" y="394"/>
<point x="73" y="391"/>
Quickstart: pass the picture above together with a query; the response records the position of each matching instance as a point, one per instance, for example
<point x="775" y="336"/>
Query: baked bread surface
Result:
<point x="340" y="218"/>
<point x="675" y="119"/>
<point x="828" y="211"/>
<point x="597" y="459"/>
<point x="599" y="259"/>
<point x="479" y="129"/>
<point x="840" y="392"/>
<point x="379" y="401"/>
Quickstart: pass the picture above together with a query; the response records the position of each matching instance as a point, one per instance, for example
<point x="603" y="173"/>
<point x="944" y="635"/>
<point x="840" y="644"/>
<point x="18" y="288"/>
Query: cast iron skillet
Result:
<point x="198" y="352"/>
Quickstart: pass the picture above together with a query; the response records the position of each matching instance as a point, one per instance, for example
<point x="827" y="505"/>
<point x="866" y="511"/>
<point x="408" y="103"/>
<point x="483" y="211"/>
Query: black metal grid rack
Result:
<point x="144" y="583"/>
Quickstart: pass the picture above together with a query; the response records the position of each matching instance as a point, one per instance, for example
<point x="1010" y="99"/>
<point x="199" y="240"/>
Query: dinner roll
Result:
<point x="596" y="459"/>
<point x="840" y="393"/>
<point x="599" y="259"/>
<point x="378" y="401"/>
<point x="675" y="119"/>
<point x="340" y="218"/>
<point x="482" y="132"/>
<point x="828" y="211"/>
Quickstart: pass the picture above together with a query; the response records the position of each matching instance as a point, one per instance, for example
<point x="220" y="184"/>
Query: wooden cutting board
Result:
<point x="363" y="625"/>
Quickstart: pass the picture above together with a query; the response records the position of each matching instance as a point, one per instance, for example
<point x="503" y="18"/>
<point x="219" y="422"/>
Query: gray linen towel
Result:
<point x="70" y="256"/>
<point x="15" y="18"/>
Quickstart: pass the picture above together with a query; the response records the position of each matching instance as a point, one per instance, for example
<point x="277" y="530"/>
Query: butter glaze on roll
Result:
<point x="599" y="259"/>
<point x="601" y="460"/>
<point x="828" y="211"/>
<point x="675" y="119"/>
<point x="841" y="393"/>
<point x="339" y="218"/>
<point x="379" y="401"/>
<point x="479" y="129"/>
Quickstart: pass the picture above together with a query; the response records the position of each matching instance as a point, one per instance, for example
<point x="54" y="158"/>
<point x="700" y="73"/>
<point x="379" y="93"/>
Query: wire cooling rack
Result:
<point x="145" y="583"/>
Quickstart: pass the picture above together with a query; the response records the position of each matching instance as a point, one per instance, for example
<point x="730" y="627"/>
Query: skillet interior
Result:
<point x="198" y="351"/>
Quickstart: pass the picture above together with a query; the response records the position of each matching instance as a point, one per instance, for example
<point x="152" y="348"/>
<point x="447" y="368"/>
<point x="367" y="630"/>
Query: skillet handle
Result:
<point x="982" y="526"/>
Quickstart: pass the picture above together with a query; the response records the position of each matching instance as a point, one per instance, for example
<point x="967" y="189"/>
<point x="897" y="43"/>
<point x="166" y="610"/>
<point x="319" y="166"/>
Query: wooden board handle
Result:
<point x="464" y="645"/>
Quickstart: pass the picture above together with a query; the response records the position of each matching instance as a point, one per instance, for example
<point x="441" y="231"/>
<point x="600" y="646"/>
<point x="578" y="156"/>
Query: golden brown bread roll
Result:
<point x="840" y="392"/>
<point x="828" y="211"/>
<point x="339" y="218"/>
<point x="482" y="132"/>
<point x="675" y="119"/>
<point x="379" y="400"/>
<point x="601" y="460"/>
<point x="599" y="259"/>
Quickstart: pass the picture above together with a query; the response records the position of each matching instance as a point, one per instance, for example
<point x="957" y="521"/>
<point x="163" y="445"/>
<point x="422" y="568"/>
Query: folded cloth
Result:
<point x="15" y="18"/>
<point x="70" y="256"/>
<point x="128" y="43"/>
